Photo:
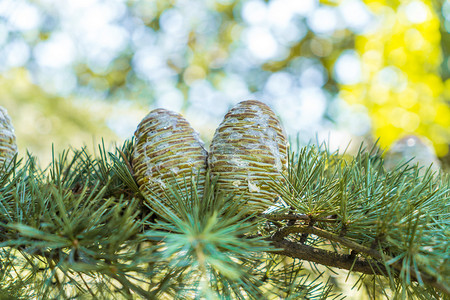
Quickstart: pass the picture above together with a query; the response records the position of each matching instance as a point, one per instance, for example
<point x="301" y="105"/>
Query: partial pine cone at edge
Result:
<point x="8" y="147"/>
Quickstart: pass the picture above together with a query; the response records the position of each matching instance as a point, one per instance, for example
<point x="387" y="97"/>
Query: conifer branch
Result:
<point x="328" y="258"/>
<point x="345" y="261"/>
<point x="298" y="217"/>
<point x="86" y="216"/>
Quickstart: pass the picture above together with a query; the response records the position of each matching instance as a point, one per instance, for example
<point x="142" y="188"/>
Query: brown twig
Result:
<point x="295" y="217"/>
<point x="342" y="261"/>
<point x="328" y="258"/>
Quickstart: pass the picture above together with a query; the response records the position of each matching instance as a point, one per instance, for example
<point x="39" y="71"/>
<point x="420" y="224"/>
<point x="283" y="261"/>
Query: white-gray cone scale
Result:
<point x="8" y="146"/>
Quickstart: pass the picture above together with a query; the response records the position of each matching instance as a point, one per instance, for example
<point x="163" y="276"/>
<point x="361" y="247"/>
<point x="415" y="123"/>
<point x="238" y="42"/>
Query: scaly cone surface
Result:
<point x="167" y="152"/>
<point x="248" y="149"/>
<point x="8" y="147"/>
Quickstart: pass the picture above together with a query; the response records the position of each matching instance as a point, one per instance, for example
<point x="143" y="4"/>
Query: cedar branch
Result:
<point x="344" y="261"/>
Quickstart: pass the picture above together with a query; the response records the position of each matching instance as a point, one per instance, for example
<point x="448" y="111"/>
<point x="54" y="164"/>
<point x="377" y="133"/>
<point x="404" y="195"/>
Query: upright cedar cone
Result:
<point x="8" y="147"/>
<point x="167" y="153"/>
<point x="414" y="150"/>
<point x="248" y="150"/>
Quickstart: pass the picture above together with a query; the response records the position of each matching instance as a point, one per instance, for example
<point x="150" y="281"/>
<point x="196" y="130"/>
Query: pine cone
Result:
<point x="248" y="150"/>
<point x="8" y="147"/>
<point x="416" y="150"/>
<point x="167" y="152"/>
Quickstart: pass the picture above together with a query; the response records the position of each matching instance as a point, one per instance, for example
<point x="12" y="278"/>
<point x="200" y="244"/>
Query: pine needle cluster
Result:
<point x="80" y="228"/>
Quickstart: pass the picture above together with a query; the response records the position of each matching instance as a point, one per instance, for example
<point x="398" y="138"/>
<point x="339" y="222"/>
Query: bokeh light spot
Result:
<point x="414" y="40"/>
<point x="254" y="12"/>
<point x="313" y="76"/>
<point x="56" y="52"/>
<point x="416" y="12"/>
<point x="323" y="20"/>
<point x="355" y="14"/>
<point x="15" y="54"/>
<point x="348" y="68"/>
<point x="172" y="21"/>
<point x="408" y="98"/>
<point x="279" y="83"/>
<point x="261" y="42"/>
<point x="20" y="14"/>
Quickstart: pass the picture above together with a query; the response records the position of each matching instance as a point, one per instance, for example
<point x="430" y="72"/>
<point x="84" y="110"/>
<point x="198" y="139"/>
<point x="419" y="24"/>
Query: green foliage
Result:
<point x="80" y="229"/>
<point x="400" y="214"/>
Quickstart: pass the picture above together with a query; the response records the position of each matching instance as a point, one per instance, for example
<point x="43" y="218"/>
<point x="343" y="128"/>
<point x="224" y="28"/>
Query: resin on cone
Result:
<point x="8" y="147"/>
<point x="248" y="150"/>
<point x="167" y="152"/>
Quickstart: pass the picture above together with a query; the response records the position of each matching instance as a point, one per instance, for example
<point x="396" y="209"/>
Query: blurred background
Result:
<point x="73" y="72"/>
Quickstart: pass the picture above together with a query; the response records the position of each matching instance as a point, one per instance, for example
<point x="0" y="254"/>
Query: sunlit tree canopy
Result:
<point x="333" y="70"/>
